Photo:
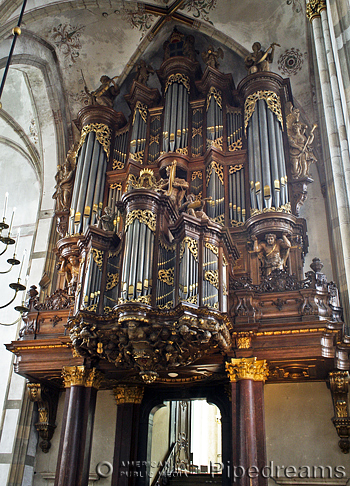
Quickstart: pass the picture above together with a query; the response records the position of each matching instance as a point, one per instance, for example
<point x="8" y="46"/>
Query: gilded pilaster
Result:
<point x="314" y="8"/>
<point x="339" y="385"/>
<point x="247" y="369"/>
<point x="128" y="394"/>
<point x="81" y="376"/>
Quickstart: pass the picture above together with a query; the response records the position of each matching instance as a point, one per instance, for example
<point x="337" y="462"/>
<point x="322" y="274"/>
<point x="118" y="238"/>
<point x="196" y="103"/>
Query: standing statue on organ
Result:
<point x="175" y="186"/>
<point x="195" y="207"/>
<point x="143" y="71"/>
<point x="64" y="181"/>
<point x="211" y="56"/>
<point x="106" y="93"/>
<point x="273" y="252"/>
<point x="258" y="60"/>
<point x="300" y="150"/>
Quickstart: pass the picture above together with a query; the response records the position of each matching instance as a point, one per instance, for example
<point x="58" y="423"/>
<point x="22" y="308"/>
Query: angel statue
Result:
<point x="105" y="94"/>
<point x="211" y="56"/>
<point x="143" y="71"/>
<point x="258" y="60"/>
<point x="300" y="150"/>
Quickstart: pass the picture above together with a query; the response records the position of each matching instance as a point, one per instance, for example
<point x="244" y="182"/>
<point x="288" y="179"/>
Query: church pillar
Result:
<point x="247" y="376"/>
<point x="337" y="172"/>
<point x="125" y="468"/>
<point x="77" y="425"/>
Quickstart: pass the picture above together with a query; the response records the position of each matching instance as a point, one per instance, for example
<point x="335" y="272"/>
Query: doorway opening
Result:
<point x="185" y="439"/>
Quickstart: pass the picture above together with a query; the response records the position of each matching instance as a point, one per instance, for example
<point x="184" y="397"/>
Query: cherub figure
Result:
<point x="274" y="252"/>
<point x="211" y="56"/>
<point x="258" y="60"/>
<point x="105" y="94"/>
<point x="300" y="150"/>
<point x="143" y="71"/>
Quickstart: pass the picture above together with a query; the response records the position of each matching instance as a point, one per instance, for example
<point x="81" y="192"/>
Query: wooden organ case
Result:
<point x="181" y="252"/>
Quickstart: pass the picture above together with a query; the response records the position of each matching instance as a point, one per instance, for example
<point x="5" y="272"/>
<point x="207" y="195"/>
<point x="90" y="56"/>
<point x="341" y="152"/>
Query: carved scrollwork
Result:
<point x="146" y="217"/>
<point x="273" y="102"/>
<point x="103" y="135"/>
<point x="219" y="169"/>
<point x="178" y="78"/>
<point x="213" y="92"/>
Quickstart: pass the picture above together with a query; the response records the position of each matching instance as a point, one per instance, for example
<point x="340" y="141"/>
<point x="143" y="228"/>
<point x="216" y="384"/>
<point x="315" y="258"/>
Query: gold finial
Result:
<point x="314" y="8"/>
<point x="16" y="30"/>
<point x="128" y="394"/>
<point x="247" y="369"/>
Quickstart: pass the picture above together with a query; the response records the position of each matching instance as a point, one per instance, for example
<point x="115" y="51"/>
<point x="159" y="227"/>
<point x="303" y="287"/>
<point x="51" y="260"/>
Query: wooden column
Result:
<point x="73" y="463"/>
<point x="247" y="376"/>
<point x="126" y="470"/>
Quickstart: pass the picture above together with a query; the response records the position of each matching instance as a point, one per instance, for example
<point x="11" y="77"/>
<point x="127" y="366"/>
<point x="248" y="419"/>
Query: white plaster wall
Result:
<point x="299" y="429"/>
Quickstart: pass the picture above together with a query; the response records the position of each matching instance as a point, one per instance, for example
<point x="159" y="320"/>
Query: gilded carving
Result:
<point x="285" y="208"/>
<point x="117" y="165"/>
<point x="247" y="369"/>
<point x="146" y="217"/>
<point x="213" y="248"/>
<point x="137" y="156"/>
<point x="178" y="78"/>
<point x="314" y="8"/>
<point x="244" y="340"/>
<point x="112" y="280"/>
<point x="128" y="394"/>
<point x="103" y="135"/>
<point x="97" y="255"/>
<point x="142" y="109"/>
<point x="273" y="102"/>
<point x="81" y="376"/>
<point x="219" y="169"/>
<point x="166" y="275"/>
<point x="217" y="143"/>
<point x="212" y="276"/>
<point x="192" y="245"/>
<point x="216" y="93"/>
<point x="237" y="145"/>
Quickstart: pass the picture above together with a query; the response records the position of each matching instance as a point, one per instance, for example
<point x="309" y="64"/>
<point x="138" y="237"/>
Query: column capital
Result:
<point x="128" y="394"/>
<point x="81" y="376"/>
<point x="247" y="369"/>
<point x="314" y="8"/>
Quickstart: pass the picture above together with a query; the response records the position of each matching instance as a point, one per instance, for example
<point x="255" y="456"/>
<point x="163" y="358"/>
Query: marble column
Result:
<point x="126" y="469"/>
<point x="74" y="452"/>
<point x="247" y="376"/>
<point x="338" y="170"/>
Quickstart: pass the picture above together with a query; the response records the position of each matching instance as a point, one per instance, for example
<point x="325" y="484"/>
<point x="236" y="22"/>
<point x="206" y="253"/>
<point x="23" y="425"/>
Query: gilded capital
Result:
<point x="247" y="369"/>
<point x="314" y="8"/>
<point x="81" y="376"/>
<point x="128" y="394"/>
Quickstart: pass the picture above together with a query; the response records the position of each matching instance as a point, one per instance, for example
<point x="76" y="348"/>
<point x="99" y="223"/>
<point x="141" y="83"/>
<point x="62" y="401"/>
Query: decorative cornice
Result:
<point x="81" y="376"/>
<point x="128" y="394"/>
<point x="314" y="8"/>
<point x="247" y="369"/>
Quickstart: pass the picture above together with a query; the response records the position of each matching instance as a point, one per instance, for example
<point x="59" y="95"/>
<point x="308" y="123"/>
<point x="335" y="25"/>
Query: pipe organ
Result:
<point x="182" y="244"/>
